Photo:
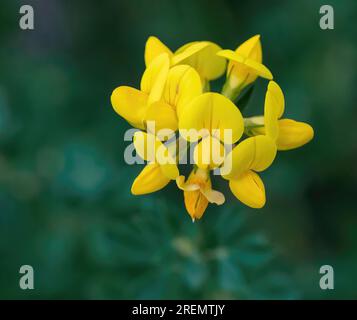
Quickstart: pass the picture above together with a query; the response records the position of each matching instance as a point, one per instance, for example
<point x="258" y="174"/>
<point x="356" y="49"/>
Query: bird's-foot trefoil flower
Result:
<point x="212" y="120"/>
<point x="245" y="65"/>
<point x="287" y="133"/>
<point x="198" y="192"/>
<point x="180" y="117"/>
<point x="201" y="55"/>
<point x="164" y="93"/>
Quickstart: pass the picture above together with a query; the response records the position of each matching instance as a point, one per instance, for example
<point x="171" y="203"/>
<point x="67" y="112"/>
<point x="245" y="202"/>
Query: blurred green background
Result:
<point x="65" y="201"/>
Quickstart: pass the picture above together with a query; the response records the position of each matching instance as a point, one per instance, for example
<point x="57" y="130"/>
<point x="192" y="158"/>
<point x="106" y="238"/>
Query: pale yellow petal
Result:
<point x="213" y="196"/>
<point x="181" y="184"/>
<point x="249" y="189"/>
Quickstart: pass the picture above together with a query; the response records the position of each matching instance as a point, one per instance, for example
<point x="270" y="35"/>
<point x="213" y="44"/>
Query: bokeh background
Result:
<point x="65" y="202"/>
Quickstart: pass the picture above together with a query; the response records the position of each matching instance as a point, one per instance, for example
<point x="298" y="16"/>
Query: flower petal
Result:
<point x="209" y="153"/>
<point x="187" y="51"/>
<point x="213" y="196"/>
<point x="213" y="113"/>
<point x="181" y="184"/>
<point x="196" y="203"/>
<point x="153" y="48"/>
<point x="256" y="153"/>
<point x="253" y="66"/>
<point x="182" y="85"/>
<point x="249" y="189"/>
<point x="131" y="104"/>
<point x="205" y="61"/>
<point x="278" y="97"/>
<point x="150" y="148"/>
<point x="251" y="48"/>
<point x="146" y="145"/>
<point x="154" y="78"/>
<point x="293" y="134"/>
<point x="149" y="180"/>
<point x="163" y="115"/>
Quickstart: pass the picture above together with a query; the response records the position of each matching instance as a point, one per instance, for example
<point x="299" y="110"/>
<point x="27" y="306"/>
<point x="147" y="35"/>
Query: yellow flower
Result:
<point x="288" y="134"/>
<point x="198" y="192"/>
<point x="200" y="55"/>
<point x="211" y="119"/>
<point x="245" y="65"/>
<point x="163" y="94"/>
<point x="253" y="154"/>
<point x="161" y="167"/>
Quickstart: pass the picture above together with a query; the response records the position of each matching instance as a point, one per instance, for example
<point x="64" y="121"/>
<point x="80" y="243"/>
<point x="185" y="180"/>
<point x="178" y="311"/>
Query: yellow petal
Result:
<point x="249" y="189"/>
<point x="205" y="61"/>
<point x="271" y="113"/>
<point x="293" y="134"/>
<point x="162" y="115"/>
<point x="150" y="179"/>
<point x="209" y="153"/>
<point x="245" y="64"/>
<point x="278" y="97"/>
<point x="153" y="48"/>
<point x="182" y="85"/>
<point x="154" y="78"/>
<point x="213" y="113"/>
<point x="251" y="48"/>
<point x="181" y="184"/>
<point x="150" y="148"/>
<point x="131" y="104"/>
<point x="258" y="68"/>
<point x="188" y="50"/>
<point x="146" y="145"/>
<point x="256" y="153"/>
<point x="213" y="196"/>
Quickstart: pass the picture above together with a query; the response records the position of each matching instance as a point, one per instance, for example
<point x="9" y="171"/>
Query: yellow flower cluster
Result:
<point x="175" y="95"/>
